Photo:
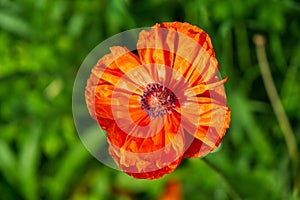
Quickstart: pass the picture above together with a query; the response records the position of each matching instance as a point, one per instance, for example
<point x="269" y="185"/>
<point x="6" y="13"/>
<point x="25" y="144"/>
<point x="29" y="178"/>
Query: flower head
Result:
<point x="162" y="105"/>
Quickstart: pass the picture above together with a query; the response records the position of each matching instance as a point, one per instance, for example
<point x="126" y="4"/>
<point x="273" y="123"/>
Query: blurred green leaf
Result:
<point x="8" y="165"/>
<point x="14" y="24"/>
<point x="28" y="164"/>
<point x="76" y="25"/>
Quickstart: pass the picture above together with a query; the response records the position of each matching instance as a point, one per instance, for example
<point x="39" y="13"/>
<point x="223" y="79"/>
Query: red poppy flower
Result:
<point x="162" y="105"/>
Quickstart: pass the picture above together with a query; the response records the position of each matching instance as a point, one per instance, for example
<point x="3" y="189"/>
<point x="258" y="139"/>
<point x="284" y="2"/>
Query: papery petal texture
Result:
<point x="161" y="105"/>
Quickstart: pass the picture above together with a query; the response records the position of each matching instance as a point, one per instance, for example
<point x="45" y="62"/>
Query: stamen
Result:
<point x="157" y="100"/>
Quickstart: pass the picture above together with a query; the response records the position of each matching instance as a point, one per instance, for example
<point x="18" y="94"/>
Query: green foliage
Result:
<point x="43" y="43"/>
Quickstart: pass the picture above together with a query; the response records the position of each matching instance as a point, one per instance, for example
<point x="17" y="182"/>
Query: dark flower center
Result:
<point x="157" y="100"/>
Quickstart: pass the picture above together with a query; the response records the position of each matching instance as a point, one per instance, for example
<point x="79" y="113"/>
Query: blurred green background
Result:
<point x="42" y="45"/>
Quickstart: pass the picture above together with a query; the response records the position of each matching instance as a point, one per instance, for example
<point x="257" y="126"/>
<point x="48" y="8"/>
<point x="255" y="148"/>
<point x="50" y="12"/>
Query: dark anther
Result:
<point x="157" y="100"/>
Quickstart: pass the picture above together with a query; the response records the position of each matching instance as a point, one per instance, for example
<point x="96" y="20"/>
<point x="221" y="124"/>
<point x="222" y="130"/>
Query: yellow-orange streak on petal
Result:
<point x="144" y="174"/>
<point x="179" y="51"/>
<point x="201" y="88"/>
<point x="205" y="118"/>
<point x="140" y="142"/>
<point x="195" y="148"/>
<point x="130" y="65"/>
<point x="115" y="65"/>
<point x="145" y="155"/>
<point x="191" y="31"/>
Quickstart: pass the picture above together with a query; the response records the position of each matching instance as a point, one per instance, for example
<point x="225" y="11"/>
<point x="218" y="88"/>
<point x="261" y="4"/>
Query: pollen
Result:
<point x="157" y="100"/>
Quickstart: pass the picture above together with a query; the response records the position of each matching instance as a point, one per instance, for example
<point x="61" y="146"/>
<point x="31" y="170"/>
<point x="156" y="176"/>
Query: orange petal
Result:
<point x="205" y="120"/>
<point x="195" y="148"/>
<point x="106" y="63"/>
<point x="137" y="115"/>
<point x="151" y="175"/>
<point x="205" y="114"/>
<point x="149" y="157"/>
<point x="159" y="133"/>
<point x="173" y="191"/>
<point x="113" y="66"/>
<point x="186" y="51"/>
<point x="194" y="32"/>
<point x="130" y="65"/>
<point x="107" y="97"/>
<point x="108" y="77"/>
<point x="201" y="88"/>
